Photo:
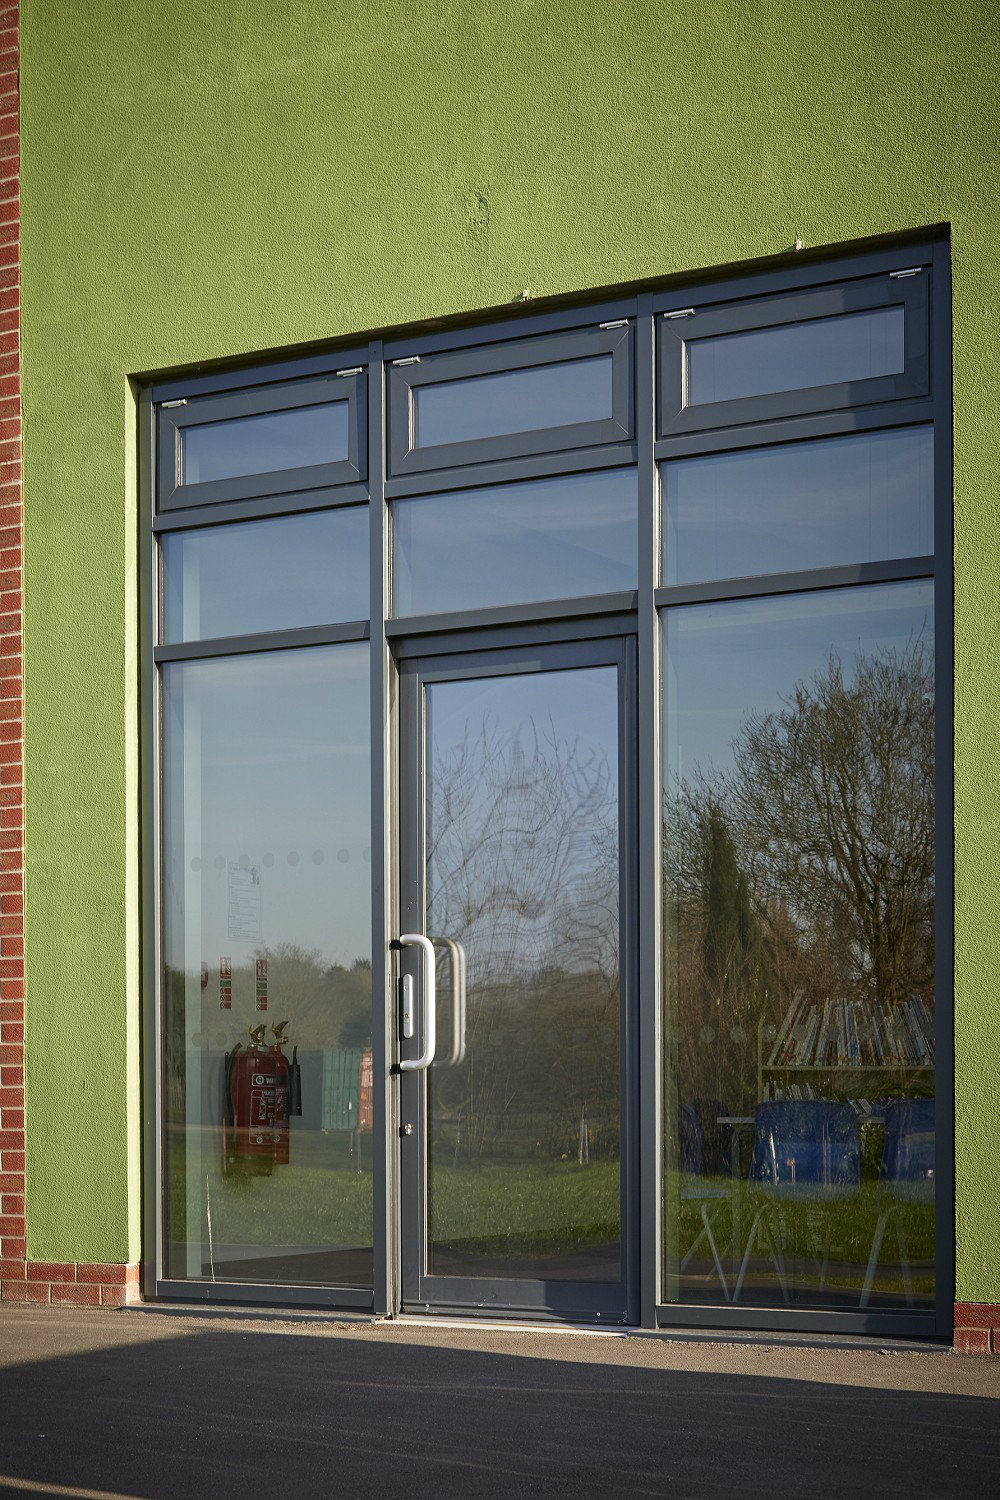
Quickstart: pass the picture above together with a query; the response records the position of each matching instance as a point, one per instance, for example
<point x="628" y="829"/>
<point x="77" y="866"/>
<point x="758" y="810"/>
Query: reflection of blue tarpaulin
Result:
<point x="341" y="1087"/>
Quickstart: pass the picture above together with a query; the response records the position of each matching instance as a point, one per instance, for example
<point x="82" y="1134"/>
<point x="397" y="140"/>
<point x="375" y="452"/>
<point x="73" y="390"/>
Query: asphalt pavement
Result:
<point x="136" y="1403"/>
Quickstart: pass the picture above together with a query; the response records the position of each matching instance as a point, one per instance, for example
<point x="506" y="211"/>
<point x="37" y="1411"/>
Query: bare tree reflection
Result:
<point x="522" y="868"/>
<point x="804" y="870"/>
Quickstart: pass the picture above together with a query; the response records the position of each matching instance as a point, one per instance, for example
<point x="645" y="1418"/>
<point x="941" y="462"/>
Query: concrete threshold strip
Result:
<point x="344" y="1321"/>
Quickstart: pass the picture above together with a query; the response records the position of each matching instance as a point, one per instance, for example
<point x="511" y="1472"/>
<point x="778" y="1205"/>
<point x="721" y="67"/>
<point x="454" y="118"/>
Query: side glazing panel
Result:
<point x="799" y="1054"/>
<point x="266" y="983"/>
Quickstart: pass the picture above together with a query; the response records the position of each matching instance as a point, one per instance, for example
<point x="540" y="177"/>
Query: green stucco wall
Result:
<point x="203" y="178"/>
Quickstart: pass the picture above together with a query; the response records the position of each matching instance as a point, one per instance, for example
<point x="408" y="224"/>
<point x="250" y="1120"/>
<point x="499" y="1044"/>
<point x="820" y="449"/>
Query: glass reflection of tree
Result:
<point x="522" y="868"/>
<point x="806" y="867"/>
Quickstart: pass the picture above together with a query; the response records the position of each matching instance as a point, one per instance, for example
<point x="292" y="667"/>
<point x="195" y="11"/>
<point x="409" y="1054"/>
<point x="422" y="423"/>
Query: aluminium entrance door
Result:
<point x="516" y="989"/>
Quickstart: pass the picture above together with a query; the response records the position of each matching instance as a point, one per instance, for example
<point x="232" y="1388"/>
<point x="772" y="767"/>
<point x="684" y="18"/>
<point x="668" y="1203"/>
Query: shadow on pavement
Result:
<point x="293" y="1415"/>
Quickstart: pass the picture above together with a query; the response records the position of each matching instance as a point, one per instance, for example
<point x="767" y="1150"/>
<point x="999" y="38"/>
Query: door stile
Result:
<point x="410" y="919"/>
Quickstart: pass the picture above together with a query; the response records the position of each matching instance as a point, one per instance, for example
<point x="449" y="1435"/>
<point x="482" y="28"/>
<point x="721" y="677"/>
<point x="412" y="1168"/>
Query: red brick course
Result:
<point x="977" y="1327"/>
<point x="67" y="1283"/>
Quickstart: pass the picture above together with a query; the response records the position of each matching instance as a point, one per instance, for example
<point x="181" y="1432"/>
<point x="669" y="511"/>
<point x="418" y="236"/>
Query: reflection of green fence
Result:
<point x="341" y="1088"/>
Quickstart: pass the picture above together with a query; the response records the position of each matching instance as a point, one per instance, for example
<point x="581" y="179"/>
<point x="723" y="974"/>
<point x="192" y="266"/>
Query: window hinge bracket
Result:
<point x="412" y="359"/>
<point x="353" y="370"/>
<point x="615" y="323"/>
<point x="682" y="312"/>
<point x="913" y="271"/>
<point x="167" y="404"/>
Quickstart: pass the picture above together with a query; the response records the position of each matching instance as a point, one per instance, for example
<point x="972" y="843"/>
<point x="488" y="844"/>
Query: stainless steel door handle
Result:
<point x="417" y="939"/>
<point x="458" y="972"/>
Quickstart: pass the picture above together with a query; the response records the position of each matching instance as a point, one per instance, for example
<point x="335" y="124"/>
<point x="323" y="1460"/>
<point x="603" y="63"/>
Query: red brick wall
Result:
<point x="12" y="1234"/>
<point x="71" y="1284"/>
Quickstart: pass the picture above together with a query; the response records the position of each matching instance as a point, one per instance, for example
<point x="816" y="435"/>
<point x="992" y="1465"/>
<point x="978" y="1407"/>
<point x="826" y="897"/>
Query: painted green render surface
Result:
<point x="202" y="179"/>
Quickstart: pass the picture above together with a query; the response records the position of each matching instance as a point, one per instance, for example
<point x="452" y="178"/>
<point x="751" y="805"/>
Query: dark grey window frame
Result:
<point x="394" y="642"/>
<point x="710" y="319"/>
<point x="590" y="341"/>
<point x="317" y="390"/>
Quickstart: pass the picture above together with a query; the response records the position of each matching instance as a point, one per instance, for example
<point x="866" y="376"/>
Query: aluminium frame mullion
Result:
<point x="648" y="832"/>
<point x="384" y="824"/>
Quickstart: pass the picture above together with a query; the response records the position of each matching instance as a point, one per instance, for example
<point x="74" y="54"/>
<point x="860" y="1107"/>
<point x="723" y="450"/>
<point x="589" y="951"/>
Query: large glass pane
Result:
<point x="267" y="1154"/>
<point x="851" y="499"/>
<point x="522" y="837"/>
<point x="265" y="443"/>
<point x="539" y="396"/>
<point x="516" y="543"/>
<point x="799" y="937"/>
<point x="265" y="575"/>
<point x="795" y="356"/>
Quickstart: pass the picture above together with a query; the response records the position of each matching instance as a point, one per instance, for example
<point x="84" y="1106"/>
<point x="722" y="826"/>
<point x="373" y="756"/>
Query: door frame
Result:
<point x="605" y="1303"/>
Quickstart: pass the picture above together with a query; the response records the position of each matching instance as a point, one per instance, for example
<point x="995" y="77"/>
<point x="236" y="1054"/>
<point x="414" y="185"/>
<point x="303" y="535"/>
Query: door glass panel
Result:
<point x="265" y="443"/>
<point x="265" y="575"/>
<point x="528" y="400"/>
<point x="799" y="948"/>
<point x="817" y="504"/>
<point x="795" y="356"/>
<point x="516" y="543"/>
<point x="522" y="839"/>
<point x="267" y="1168"/>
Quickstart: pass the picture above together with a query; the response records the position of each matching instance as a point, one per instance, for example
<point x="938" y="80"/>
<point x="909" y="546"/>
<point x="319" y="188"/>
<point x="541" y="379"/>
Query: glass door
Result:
<point x="516" y="987"/>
